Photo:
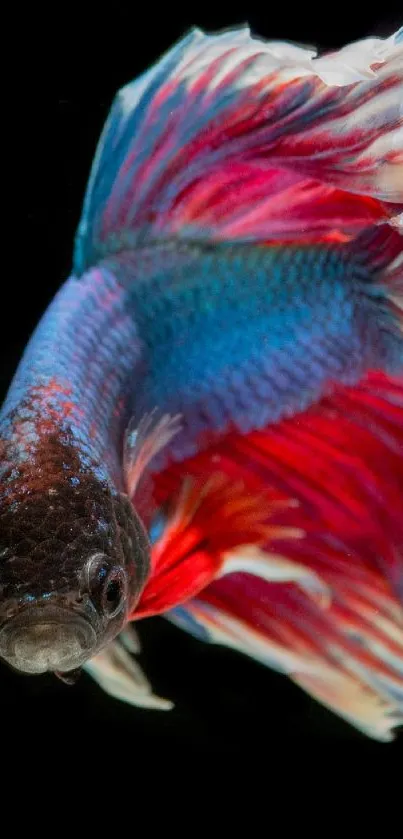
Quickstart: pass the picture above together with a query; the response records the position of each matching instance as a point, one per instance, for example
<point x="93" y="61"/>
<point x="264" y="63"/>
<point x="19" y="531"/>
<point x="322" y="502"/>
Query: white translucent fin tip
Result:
<point x="120" y="676"/>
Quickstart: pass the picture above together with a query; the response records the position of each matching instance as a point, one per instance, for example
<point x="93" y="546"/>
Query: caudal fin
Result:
<point x="229" y="137"/>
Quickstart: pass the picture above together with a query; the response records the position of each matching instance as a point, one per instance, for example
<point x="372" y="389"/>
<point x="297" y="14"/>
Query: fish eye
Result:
<point x="107" y="585"/>
<point x="113" y="594"/>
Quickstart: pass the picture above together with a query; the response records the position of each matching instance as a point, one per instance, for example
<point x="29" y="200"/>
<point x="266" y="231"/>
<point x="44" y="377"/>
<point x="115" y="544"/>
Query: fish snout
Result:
<point x="38" y="640"/>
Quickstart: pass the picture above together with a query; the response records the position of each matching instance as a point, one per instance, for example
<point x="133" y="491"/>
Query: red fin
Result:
<point x="229" y="137"/>
<point x="339" y="632"/>
<point x="205" y="523"/>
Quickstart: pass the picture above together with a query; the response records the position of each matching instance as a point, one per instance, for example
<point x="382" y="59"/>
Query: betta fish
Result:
<point x="207" y="423"/>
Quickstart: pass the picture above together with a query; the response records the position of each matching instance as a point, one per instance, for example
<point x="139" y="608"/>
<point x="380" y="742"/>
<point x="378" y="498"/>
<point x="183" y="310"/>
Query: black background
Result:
<point x="63" y="75"/>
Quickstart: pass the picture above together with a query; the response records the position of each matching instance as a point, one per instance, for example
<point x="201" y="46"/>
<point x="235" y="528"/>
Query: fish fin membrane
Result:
<point x="371" y="703"/>
<point x="229" y="137"/>
<point x="142" y="442"/>
<point x="325" y="608"/>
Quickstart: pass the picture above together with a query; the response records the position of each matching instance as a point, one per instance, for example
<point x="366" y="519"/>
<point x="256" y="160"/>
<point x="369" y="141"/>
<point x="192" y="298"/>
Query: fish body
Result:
<point x="208" y="420"/>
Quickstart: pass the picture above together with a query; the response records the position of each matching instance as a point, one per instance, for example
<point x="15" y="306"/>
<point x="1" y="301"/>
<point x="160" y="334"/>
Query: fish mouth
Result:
<point x="47" y="638"/>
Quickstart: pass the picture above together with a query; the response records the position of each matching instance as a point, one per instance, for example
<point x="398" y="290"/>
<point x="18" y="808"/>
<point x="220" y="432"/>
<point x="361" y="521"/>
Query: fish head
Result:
<point x="74" y="557"/>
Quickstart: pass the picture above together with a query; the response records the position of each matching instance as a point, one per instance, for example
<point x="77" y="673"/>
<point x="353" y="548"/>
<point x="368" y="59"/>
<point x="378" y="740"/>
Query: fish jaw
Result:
<point x="45" y="638"/>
